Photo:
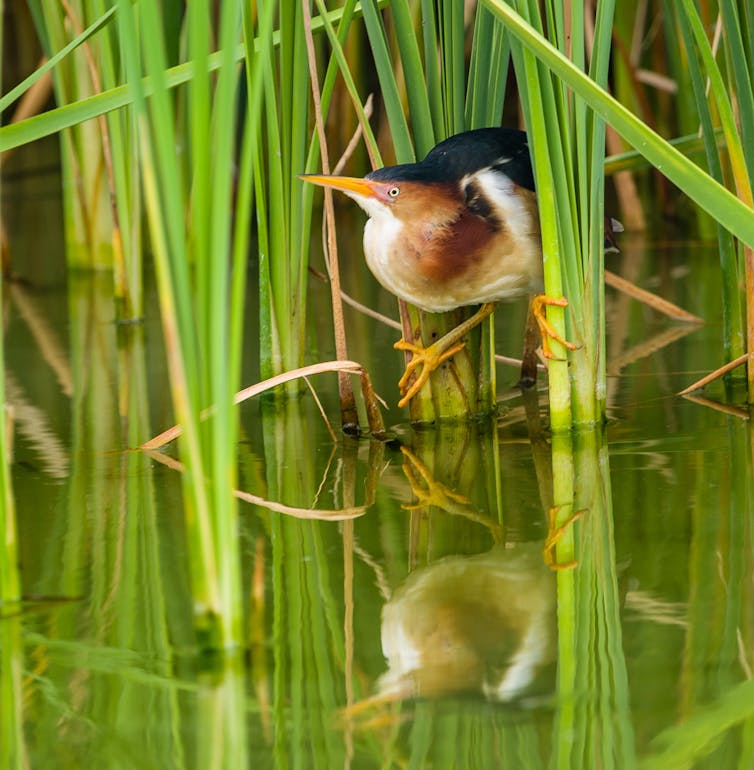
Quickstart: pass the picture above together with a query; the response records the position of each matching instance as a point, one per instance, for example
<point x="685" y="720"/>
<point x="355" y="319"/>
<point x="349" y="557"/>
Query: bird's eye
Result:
<point x="393" y="192"/>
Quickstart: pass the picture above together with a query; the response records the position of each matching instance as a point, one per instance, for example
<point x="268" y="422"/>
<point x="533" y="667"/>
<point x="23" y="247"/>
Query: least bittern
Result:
<point x="459" y="228"/>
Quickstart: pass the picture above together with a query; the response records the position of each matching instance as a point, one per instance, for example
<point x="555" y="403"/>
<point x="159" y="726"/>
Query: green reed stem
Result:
<point x="560" y="397"/>
<point x="733" y="337"/>
<point x="416" y="86"/>
<point x="50" y="63"/>
<point x="594" y="731"/>
<point x="85" y="153"/>
<point x="404" y="149"/>
<point x="733" y="102"/>
<point x="490" y="52"/>
<point x="282" y="207"/>
<point x="10" y="583"/>
<point x="338" y="64"/>
<point x="193" y="260"/>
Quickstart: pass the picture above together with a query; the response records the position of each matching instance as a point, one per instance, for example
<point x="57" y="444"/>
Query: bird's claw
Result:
<point x="428" y="358"/>
<point x="546" y="329"/>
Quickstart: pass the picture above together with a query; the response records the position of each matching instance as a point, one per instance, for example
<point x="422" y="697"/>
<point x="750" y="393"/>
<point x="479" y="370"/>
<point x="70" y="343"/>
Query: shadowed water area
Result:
<point x="401" y="612"/>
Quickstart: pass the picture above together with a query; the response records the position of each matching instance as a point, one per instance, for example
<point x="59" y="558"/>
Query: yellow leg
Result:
<point x="545" y="327"/>
<point x="554" y="536"/>
<point x="431" y="357"/>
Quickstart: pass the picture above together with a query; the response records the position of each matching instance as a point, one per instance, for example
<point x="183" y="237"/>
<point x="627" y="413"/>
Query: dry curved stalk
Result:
<point x="340" y="514"/>
<point x="660" y="304"/>
<point x="733" y="411"/>
<point x="348" y="367"/>
<point x="646" y="348"/>
<point x="717" y="373"/>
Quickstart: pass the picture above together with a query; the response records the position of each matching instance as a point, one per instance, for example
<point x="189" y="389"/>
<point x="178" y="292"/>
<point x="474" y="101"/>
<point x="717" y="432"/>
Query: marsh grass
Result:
<point x="724" y="99"/>
<point x="199" y="264"/>
<point x="731" y="212"/>
<point x="86" y="163"/>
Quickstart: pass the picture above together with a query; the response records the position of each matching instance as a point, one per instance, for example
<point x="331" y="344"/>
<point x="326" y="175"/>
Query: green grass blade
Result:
<point x="433" y="78"/>
<point x="404" y="149"/>
<point x="416" y="87"/>
<point x="453" y="60"/>
<point x="490" y="52"/>
<point x="49" y="64"/>
<point x="345" y="71"/>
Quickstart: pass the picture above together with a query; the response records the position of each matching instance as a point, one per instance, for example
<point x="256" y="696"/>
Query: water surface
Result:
<point x="414" y="622"/>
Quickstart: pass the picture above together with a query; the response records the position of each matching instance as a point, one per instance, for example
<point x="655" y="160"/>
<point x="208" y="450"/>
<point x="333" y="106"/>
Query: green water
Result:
<point x="640" y="656"/>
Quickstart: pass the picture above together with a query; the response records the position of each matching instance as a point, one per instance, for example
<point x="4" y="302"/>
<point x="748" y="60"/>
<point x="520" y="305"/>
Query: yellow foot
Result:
<point x="554" y="536"/>
<point x="545" y="327"/>
<point x="428" y="358"/>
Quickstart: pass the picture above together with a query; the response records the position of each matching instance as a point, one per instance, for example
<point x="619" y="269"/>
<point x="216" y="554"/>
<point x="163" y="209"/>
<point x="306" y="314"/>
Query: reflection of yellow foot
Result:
<point x="545" y="327"/>
<point x="426" y="489"/>
<point x="555" y="534"/>
<point x="428" y="358"/>
<point x="431" y="357"/>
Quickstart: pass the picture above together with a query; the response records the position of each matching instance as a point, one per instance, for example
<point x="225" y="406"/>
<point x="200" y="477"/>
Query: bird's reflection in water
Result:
<point x="480" y="624"/>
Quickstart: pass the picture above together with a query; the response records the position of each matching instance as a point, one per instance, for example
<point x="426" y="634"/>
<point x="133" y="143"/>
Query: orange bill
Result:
<point x="347" y="184"/>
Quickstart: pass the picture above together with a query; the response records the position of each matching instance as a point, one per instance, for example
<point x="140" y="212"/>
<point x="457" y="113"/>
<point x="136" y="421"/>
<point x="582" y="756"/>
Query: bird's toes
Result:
<point x="410" y="347"/>
<point x="414" y="389"/>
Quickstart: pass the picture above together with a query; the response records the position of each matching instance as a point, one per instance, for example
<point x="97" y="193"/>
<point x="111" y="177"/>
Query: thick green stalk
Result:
<point x="10" y="584"/>
<point x="490" y="52"/>
<point x="119" y="136"/>
<point x="225" y="381"/>
<point x="603" y="730"/>
<point x="568" y="601"/>
<point x="532" y="95"/>
<point x="416" y="87"/>
<point x="404" y="149"/>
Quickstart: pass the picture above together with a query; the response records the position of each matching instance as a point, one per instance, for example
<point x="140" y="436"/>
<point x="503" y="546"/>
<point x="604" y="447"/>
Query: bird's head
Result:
<point x="376" y="197"/>
<point x="406" y="194"/>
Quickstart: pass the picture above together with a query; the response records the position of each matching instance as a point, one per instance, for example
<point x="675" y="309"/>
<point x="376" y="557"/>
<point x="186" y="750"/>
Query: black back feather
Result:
<point x="503" y="149"/>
